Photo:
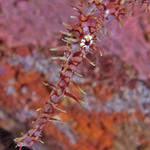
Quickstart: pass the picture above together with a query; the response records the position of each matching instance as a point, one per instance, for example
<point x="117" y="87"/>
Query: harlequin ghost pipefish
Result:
<point x="80" y="38"/>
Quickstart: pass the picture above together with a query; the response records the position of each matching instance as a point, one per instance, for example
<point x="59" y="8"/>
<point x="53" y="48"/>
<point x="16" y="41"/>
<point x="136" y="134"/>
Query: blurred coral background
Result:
<point x="117" y="104"/>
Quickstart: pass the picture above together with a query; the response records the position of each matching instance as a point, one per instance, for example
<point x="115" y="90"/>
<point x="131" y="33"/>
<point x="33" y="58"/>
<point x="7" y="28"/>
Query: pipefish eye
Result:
<point x="87" y="43"/>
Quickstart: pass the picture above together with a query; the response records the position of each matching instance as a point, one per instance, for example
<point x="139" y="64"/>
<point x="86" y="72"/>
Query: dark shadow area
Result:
<point x="7" y="141"/>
